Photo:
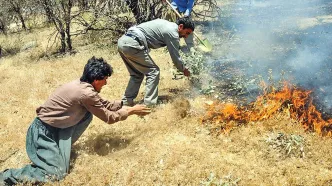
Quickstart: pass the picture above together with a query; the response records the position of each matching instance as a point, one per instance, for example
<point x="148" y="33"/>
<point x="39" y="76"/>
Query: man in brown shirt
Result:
<point x="62" y="119"/>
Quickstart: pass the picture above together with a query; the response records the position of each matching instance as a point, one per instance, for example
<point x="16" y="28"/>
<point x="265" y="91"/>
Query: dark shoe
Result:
<point x="128" y="103"/>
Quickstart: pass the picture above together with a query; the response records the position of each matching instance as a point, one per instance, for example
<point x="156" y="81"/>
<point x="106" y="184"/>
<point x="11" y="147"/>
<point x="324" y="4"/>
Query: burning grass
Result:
<point x="167" y="147"/>
<point x="223" y="117"/>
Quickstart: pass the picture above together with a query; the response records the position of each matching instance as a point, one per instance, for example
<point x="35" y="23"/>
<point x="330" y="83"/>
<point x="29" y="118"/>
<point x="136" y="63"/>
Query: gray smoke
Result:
<point x="289" y="38"/>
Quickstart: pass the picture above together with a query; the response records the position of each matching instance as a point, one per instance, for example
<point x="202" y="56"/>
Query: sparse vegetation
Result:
<point x="287" y="144"/>
<point x="212" y="180"/>
<point x="168" y="147"/>
<point x="196" y="61"/>
<point x="11" y="46"/>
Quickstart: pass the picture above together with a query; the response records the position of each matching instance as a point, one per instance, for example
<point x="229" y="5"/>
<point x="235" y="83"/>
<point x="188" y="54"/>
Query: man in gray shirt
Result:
<point x="62" y="119"/>
<point x="134" y="49"/>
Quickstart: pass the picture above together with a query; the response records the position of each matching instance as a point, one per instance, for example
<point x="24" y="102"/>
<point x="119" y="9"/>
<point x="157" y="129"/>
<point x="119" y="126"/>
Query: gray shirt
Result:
<point x="70" y="102"/>
<point x="159" y="33"/>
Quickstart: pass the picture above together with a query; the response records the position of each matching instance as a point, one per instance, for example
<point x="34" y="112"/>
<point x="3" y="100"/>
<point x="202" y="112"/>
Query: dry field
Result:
<point x="168" y="147"/>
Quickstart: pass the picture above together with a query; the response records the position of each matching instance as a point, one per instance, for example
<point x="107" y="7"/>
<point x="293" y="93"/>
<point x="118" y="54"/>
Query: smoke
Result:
<point x="289" y="38"/>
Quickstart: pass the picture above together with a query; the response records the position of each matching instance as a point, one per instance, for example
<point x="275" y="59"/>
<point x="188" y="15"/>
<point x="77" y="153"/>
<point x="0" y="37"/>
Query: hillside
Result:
<point x="170" y="146"/>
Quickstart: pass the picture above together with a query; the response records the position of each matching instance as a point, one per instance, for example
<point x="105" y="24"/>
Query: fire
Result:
<point x="295" y="101"/>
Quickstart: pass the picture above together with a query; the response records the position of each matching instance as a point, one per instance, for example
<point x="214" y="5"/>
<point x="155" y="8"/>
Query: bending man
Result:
<point x="62" y="119"/>
<point x="134" y="49"/>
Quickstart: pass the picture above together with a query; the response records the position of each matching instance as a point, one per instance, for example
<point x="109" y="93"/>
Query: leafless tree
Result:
<point x="15" y="8"/>
<point x="8" y="14"/>
<point x="83" y="4"/>
<point x="105" y="15"/>
<point x="209" y="9"/>
<point x="145" y="10"/>
<point x="3" y="23"/>
<point x="59" y="12"/>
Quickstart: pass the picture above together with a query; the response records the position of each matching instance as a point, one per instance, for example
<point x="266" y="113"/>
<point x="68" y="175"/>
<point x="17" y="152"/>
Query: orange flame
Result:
<point x="296" y="101"/>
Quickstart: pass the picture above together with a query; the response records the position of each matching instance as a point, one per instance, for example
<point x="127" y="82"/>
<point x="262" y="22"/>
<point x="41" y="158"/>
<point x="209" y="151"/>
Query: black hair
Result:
<point x="187" y="23"/>
<point x="96" y="69"/>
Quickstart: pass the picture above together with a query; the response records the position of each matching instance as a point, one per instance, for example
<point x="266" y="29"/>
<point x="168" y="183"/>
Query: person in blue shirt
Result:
<point x="183" y="6"/>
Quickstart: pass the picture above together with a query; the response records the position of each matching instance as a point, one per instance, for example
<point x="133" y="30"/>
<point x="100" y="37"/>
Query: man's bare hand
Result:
<point x="140" y="110"/>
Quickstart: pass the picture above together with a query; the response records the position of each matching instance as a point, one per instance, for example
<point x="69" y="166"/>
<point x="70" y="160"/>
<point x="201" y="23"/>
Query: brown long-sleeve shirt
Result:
<point x="70" y="102"/>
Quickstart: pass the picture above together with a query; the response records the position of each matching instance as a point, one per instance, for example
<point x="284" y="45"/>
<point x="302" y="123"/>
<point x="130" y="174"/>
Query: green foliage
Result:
<point x="195" y="61"/>
<point x="209" y="89"/>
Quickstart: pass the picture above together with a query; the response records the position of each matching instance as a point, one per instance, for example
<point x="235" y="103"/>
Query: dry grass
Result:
<point x="167" y="147"/>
